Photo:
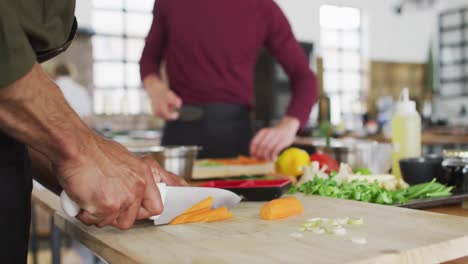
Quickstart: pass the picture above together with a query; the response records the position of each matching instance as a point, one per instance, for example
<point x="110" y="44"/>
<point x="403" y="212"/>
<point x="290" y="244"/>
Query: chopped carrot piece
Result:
<point x="281" y="208"/>
<point x="181" y="219"/>
<point x="196" y="216"/>
<point x="218" y="214"/>
<point x="202" y="211"/>
<point x="203" y="205"/>
<point x="240" y="160"/>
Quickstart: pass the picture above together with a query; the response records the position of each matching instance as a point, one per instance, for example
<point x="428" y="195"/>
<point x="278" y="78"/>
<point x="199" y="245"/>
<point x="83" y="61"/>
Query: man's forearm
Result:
<point x="34" y="111"/>
<point x="291" y="122"/>
<point x="153" y="84"/>
<point x="44" y="171"/>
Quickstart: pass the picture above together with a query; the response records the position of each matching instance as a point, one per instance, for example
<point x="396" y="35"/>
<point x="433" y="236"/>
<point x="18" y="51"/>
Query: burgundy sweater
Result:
<point x="211" y="48"/>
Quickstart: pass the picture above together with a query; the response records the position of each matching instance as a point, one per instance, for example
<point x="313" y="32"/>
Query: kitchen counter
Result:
<point x="395" y="235"/>
<point x="428" y="138"/>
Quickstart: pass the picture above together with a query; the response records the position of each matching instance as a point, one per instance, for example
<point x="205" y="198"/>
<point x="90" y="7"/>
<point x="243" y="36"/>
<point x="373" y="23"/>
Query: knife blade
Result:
<point x="179" y="199"/>
<point x="175" y="200"/>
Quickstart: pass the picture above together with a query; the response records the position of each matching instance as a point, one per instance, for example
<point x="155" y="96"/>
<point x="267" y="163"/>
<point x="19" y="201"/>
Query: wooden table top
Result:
<point x="427" y="138"/>
<point x="391" y="232"/>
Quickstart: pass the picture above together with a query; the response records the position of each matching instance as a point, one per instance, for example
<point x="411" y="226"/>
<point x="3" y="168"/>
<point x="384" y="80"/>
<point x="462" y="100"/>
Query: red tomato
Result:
<point x="324" y="159"/>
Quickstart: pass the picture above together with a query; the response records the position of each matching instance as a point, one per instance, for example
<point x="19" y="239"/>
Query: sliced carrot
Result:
<point x="249" y="161"/>
<point x="181" y="219"/>
<point x="240" y="160"/>
<point x="202" y="211"/>
<point x="218" y="214"/>
<point x="281" y="208"/>
<point x="203" y="205"/>
<point x="197" y="216"/>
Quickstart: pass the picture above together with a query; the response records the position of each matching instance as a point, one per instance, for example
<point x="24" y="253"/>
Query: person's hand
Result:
<point x="161" y="175"/>
<point x="111" y="185"/>
<point x="268" y="142"/>
<point x="164" y="102"/>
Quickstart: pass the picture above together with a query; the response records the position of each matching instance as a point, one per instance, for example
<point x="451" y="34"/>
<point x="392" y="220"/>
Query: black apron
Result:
<point x="222" y="130"/>
<point x="15" y="200"/>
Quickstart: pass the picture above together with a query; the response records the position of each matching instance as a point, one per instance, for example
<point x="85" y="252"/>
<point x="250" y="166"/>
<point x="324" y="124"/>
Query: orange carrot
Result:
<point x="240" y="160"/>
<point x="204" y="205"/>
<point x="182" y="219"/>
<point x="281" y="208"/>
<point x="219" y="214"/>
<point x="202" y="211"/>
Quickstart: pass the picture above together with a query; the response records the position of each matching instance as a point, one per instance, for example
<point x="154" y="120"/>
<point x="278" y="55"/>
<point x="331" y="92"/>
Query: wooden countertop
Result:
<point x="427" y="138"/>
<point x="248" y="239"/>
<point x="390" y="231"/>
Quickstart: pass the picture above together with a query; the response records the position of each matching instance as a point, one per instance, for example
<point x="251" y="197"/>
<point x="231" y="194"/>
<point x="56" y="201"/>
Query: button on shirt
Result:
<point x="211" y="48"/>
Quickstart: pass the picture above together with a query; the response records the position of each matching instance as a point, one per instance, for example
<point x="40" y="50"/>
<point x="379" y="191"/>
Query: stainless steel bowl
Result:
<point x="176" y="159"/>
<point x="359" y="153"/>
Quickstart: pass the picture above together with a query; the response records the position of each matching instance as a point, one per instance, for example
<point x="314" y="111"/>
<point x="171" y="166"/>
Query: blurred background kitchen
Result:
<point x="364" y="53"/>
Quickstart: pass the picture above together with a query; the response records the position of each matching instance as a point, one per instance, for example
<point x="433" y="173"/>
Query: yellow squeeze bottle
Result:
<point x="406" y="132"/>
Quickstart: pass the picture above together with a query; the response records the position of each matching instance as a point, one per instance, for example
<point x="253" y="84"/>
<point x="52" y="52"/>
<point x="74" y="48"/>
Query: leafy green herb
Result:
<point x="362" y="171"/>
<point x="210" y="163"/>
<point x="361" y="190"/>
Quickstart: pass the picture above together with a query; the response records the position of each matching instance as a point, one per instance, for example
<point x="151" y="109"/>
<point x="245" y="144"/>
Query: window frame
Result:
<point x="123" y="37"/>
<point x="340" y="50"/>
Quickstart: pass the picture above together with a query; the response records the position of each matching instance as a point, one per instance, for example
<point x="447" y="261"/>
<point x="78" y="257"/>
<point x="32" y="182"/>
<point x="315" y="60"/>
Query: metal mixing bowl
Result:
<point x="176" y="159"/>
<point x="369" y="154"/>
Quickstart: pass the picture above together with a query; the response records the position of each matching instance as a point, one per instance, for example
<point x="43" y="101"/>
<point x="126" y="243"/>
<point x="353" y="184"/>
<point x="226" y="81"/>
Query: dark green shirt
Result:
<point x="32" y="31"/>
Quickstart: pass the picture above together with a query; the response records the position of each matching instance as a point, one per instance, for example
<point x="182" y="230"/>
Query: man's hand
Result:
<point x="165" y="103"/>
<point x="111" y="185"/>
<point x="162" y="175"/>
<point x="268" y="142"/>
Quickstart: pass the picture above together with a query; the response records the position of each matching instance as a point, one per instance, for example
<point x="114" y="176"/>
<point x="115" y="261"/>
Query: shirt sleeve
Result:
<point x="155" y="42"/>
<point x="16" y="54"/>
<point x="282" y="44"/>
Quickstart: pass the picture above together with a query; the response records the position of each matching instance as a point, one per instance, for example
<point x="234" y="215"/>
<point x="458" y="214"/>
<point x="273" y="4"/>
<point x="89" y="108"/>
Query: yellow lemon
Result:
<point x="292" y="161"/>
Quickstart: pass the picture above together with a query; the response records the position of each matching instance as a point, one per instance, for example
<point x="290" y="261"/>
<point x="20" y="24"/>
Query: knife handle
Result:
<point x="69" y="206"/>
<point x="72" y="209"/>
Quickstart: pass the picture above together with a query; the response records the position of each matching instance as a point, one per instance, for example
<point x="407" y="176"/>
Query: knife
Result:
<point x="175" y="200"/>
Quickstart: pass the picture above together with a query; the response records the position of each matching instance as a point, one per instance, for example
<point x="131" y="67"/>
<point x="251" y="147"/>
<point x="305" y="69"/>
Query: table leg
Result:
<point x="465" y="204"/>
<point x="33" y="242"/>
<point x="55" y="242"/>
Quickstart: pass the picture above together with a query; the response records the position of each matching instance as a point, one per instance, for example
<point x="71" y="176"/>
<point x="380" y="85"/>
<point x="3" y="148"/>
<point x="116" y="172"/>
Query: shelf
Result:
<point x="454" y="45"/>
<point x="461" y="62"/>
<point x="455" y="63"/>
<point x="453" y="28"/>
<point x="452" y="96"/>
<point x="454" y="11"/>
<point x="455" y="80"/>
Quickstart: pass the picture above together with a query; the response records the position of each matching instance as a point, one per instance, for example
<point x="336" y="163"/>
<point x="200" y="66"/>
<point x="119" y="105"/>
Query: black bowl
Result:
<point x="456" y="174"/>
<point x="421" y="170"/>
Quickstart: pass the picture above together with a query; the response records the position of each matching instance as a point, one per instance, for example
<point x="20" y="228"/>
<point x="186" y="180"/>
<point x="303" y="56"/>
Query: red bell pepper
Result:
<point x="324" y="159"/>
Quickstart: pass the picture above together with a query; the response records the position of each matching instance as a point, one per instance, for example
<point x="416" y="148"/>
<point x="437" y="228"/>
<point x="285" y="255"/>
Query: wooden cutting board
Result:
<point x="201" y="172"/>
<point x="394" y="235"/>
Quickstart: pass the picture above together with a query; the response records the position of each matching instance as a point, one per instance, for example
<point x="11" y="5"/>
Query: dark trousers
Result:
<point x="15" y="200"/>
<point x="222" y="130"/>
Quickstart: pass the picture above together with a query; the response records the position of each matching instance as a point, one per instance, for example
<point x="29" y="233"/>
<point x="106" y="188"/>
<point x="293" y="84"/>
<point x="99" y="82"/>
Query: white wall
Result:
<point x="83" y="13"/>
<point x="389" y="36"/>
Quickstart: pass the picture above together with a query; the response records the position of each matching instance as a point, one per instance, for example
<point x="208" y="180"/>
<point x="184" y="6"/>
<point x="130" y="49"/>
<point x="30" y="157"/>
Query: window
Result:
<point x="121" y="26"/>
<point x="340" y="40"/>
<point x="453" y="44"/>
